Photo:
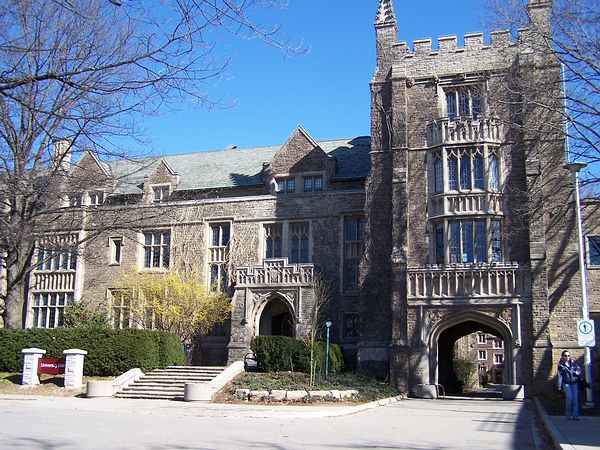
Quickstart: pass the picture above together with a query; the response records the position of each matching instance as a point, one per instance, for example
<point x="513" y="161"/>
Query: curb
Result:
<point x="366" y="406"/>
<point x="555" y="434"/>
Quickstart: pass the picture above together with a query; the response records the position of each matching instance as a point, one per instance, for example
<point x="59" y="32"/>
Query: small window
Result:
<point x="354" y="236"/>
<point x="494" y="171"/>
<point x="273" y="240"/>
<point x="350" y="326"/>
<point x="481" y="338"/>
<point x="482" y="354"/>
<point x="157" y="250"/>
<point x="220" y="234"/>
<point x="161" y="193"/>
<point x="286" y="185"/>
<point x="116" y="250"/>
<point x="593" y="250"/>
<point x="438" y="177"/>
<point x="498" y="343"/>
<point x="298" y="242"/>
<point x="463" y="102"/>
<point x="439" y="243"/>
<point x="96" y="198"/>
<point x="498" y="359"/>
<point x="312" y="184"/>
<point x="218" y="255"/>
<point x="74" y="200"/>
<point x="120" y="302"/>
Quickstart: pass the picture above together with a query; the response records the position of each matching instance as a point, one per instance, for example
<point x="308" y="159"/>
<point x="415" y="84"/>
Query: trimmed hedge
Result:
<point x="110" y="352"/>
<point x="281" y="353"/>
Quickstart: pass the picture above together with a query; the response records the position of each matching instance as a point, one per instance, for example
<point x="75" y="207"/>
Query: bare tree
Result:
<point x="85" y="69"/>
<point x="570" y="35"/>
<point x="322" y="294"/>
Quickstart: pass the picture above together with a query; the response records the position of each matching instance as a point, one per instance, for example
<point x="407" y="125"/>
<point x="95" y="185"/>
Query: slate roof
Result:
<point x="239" y="167"/>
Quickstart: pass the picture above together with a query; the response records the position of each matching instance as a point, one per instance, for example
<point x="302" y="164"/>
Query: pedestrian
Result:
<point x="568" y="380"/>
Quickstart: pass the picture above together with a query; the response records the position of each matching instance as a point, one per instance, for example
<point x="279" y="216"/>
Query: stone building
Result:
<point x="448" y="220"/>
<point x="469" y="218"/>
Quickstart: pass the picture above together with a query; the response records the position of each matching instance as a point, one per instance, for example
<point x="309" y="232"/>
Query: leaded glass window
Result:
<point x="298" y="242"/>
<point x="273" y="240"/>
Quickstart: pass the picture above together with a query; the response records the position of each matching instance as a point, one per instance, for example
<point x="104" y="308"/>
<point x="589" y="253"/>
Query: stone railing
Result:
<point x="463" y="131"/>
<point x="275" y="272"/>
<point x="54" y="281"/>
<point x="218" y="254"/>
<point x="469" y="281"/>
<point x="471" y="203"/>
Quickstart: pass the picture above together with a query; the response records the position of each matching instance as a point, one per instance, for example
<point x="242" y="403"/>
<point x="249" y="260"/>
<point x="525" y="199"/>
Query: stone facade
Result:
<point x="448" y="220"/>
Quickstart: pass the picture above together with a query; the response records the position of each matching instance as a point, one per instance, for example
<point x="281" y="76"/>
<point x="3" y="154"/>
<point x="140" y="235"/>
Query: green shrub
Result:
<point x="110" y="352"/>
<point x="276" y="353"/>
<point x="281" y="353"/>
<point x="336" y="359"/>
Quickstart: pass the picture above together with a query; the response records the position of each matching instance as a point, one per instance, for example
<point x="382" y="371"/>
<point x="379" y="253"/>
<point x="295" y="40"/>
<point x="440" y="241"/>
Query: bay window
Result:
<point x="467" y="241"/>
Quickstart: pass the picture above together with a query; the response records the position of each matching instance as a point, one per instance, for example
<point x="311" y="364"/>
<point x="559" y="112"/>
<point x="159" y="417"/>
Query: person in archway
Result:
<point x="568" y="380"/>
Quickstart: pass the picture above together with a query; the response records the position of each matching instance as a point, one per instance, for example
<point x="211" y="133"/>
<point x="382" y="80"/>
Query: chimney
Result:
<point x="61" y="153"/>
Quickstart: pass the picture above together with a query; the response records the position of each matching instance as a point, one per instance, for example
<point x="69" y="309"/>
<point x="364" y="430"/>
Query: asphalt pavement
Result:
<point x="567" y="435"/>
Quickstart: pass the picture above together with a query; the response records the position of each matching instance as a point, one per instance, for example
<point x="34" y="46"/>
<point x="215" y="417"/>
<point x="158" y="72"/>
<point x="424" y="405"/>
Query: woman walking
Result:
<point x="568" y="380"/>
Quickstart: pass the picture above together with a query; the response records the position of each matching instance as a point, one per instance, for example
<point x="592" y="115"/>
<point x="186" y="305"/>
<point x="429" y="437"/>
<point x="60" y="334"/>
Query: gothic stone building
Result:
<point x="451" y="218"/>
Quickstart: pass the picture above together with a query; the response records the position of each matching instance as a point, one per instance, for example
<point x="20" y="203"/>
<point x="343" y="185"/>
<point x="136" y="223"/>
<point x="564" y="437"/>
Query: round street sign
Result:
<point x="585" y="333"/>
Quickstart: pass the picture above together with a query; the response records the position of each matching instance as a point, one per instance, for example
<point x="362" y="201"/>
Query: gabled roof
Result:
<point x="237" y="167"/>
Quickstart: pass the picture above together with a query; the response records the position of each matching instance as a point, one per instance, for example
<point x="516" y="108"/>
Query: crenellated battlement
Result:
<point x="473" y="42"/>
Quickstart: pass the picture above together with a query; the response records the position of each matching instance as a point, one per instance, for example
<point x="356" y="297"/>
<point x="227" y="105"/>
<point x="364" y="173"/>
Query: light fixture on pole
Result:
<point x="327" y="325"/>
<point x="575" y="168"/>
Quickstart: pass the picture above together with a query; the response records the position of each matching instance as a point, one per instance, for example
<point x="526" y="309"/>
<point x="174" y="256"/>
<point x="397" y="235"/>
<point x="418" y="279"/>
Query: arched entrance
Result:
<point x="448" y="332"/>
<point x="276" y="319"/>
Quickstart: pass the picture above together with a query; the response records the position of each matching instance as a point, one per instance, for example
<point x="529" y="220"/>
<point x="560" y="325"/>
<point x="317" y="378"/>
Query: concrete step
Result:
<point x="150" y="395"/>
<point x="168" y="383"/>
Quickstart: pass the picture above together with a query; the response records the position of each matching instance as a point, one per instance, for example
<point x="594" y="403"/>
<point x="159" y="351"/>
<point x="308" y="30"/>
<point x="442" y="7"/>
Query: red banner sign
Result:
<point x="51" y="366"/>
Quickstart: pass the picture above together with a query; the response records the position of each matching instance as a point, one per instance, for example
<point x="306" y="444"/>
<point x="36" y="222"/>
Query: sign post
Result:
<point x="328" y="325"/>
<point x="575" y="167"/>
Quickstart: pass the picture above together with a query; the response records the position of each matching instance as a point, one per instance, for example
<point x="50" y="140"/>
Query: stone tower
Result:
<point x="468" y="213"/>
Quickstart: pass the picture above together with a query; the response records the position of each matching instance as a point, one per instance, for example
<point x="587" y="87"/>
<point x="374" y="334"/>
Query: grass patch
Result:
<point x="368" y="388"/>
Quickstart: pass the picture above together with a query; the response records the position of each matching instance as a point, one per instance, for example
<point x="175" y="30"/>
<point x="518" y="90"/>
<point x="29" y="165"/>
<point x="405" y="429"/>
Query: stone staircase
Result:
<point x="168" y="384"/>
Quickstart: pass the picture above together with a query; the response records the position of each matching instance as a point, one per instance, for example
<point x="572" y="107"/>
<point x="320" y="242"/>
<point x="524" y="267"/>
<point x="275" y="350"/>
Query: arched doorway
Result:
<point x="448" y="332"/>
<point x="276" y="319"/>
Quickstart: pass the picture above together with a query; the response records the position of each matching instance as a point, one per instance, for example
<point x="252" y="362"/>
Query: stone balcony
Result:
<point x="469" y="283"/>
<point x="449" y="204"/>
<point x="446" y="131"/>
<point x="275" y="272"/>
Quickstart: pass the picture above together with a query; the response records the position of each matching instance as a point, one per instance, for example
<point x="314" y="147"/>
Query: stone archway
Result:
<point x="447" y="332"/>
<point x="275" y="318"/>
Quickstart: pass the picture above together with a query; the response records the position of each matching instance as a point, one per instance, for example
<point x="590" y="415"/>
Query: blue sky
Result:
<point x="325" y="90"/>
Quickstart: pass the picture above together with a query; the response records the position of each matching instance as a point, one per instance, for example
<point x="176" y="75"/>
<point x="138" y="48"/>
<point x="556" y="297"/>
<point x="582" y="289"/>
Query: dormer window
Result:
<point x="96" y="198"/>
<point x="286" y="185"/>
<point x="313" y="183"/>
<point x="161" y="193"/>
<point x="463" y="102"/>
<point x="74" y="200"/>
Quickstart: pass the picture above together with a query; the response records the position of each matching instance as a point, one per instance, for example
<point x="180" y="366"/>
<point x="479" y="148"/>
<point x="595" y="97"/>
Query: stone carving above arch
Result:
<point x="434" y="316"/>
<point x="504" y="315"/>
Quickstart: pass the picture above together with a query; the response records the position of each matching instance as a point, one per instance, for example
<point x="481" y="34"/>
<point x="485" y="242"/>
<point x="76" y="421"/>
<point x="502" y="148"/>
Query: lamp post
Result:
<point x="327" y="325"/>
<point x="575" y="168"/>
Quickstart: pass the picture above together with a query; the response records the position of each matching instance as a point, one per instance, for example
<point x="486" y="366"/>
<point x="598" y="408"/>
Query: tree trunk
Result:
<point x="14" y="313"/>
